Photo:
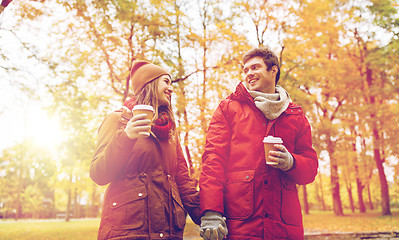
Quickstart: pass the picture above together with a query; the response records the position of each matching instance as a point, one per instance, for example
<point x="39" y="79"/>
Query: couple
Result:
<point x="240" y="197"/>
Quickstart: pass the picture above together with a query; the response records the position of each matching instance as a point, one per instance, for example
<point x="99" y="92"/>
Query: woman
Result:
<point x="150" y="189"/>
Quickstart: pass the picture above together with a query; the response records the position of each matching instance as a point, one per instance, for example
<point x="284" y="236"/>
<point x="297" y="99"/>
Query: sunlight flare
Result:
<point x="45" y="130"/>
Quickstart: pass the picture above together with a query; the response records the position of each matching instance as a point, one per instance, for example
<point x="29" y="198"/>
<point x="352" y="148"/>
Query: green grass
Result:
<point x="49" y="230"/>
<point x="351" y="222"/>
<point x="86" y="229"/>
<point x="76" y="229"/>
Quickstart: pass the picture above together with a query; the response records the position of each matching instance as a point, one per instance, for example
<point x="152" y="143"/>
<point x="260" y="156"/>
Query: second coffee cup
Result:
<point x="268" y="143"/>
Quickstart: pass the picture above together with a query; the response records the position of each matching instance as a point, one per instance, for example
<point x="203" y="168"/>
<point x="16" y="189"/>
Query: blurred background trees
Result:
<point x="338" y="61"/>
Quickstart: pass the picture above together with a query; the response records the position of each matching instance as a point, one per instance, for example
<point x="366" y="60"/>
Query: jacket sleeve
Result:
<point x="305" y="157"/>
<point x="112" y="151"/>
<point x="187" y="188"/>
<point x="215" y="157"/>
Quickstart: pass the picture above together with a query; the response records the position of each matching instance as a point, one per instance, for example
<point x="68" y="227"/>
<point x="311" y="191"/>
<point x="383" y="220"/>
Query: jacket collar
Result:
<point x="241" y="94"/>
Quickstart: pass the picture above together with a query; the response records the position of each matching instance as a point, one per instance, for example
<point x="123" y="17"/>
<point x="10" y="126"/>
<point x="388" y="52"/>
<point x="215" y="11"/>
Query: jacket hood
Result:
<point x="241" y="94"/>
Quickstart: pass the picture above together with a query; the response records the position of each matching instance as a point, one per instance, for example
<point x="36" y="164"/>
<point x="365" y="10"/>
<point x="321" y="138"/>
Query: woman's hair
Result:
<point x="148" y="95"/>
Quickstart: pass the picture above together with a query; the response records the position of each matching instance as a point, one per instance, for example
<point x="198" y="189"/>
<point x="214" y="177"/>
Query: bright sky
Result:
<point x="30" y="122"/>
<point x="20" y="116"/>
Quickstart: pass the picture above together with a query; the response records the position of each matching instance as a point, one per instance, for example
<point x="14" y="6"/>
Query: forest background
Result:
<point x="65" y="64"/>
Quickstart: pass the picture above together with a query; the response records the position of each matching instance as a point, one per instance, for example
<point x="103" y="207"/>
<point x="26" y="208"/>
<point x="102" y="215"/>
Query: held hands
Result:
<point x="138" y="127"/>
<point x="283" y="157"/>
<point x="213" y="226"/>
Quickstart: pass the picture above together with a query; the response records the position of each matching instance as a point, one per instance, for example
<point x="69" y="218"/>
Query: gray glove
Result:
<point x="213" y="226"/>
<point x="283" y="157"/>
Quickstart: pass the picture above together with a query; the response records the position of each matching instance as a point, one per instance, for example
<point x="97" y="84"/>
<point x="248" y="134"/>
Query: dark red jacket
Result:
<point x="259" y="201"/>
<point x="150" y="188"/>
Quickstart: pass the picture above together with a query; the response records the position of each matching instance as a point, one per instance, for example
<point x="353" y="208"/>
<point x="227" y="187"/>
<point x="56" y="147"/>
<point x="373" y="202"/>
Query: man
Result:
<point x="260" y="201"/>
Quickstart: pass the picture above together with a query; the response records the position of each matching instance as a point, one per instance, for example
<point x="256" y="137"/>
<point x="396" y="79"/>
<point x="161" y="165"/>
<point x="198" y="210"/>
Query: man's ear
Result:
<point x="275" y="69"/>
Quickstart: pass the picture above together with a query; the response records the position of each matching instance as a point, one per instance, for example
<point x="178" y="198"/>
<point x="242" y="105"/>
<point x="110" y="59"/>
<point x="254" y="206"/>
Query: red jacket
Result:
<point x="259" y="201"/>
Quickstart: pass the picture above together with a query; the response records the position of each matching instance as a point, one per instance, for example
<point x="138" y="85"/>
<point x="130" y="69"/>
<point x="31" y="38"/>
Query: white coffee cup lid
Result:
<point x="271" y="139"/>
<point x="143" y="107"/>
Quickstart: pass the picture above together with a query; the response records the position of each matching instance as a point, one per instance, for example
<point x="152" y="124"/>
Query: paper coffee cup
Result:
<point x="144" y="109"/>
<point x="268" y="143"/>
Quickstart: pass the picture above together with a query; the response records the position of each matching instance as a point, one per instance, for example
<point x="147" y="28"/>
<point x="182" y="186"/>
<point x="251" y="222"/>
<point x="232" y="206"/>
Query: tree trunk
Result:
<point x="371" y="205"/>
<point x="76" y="211"/>
<point x="19" y="190"/>
<point x="183" y="111"/>
<point x="323" y="205"/>
<point x="18" y="213"/>
<point x="68" y="210"/>
<point x="53" y="210"/>
<point x="351" y="203"/>
<point x="93" y="205"/>
<point x="360" y="187"/>
<point x="204" y="84"/>
<point x="187" y="150"/>
<point x="385" y="208"/>
<point x="336" y="197"/>
<point x="348" y="183"/>
<point x="337" y="205"/>
<point x="305" y="200"/>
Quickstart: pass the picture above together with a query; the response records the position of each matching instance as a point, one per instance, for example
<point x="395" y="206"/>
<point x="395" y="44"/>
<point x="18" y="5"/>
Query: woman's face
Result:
<point x="165" y="90"/>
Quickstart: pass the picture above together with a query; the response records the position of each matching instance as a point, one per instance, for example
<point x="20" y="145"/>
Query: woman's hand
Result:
<point x="138" y="127"/>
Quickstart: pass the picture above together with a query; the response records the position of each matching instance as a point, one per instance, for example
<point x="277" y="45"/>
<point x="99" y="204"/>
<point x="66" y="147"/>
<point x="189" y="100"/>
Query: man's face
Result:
<point x="257" y="78"/>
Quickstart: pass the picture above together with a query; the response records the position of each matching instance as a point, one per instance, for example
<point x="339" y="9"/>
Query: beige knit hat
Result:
<point x="144" y="72"/>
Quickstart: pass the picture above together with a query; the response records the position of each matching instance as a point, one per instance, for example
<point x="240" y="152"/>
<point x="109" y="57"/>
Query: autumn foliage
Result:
<point x="338" y="61"/>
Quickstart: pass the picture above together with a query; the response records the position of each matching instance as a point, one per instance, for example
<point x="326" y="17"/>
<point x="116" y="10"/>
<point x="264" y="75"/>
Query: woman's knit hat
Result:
<point x="144" y="72"/>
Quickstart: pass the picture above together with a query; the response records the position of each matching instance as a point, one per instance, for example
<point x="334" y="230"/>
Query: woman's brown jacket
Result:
<point x="150" y="189"/>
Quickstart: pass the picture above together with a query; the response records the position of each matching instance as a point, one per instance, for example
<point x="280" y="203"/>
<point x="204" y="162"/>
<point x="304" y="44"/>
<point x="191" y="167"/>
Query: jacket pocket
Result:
<point x="128" y="208"/>
<point x="179" y="214"/>
<point x="291" y="208"/>
<point x="239" y="194"/>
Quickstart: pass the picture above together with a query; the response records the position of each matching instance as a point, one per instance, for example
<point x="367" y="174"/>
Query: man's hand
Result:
<point x="283" y="157"/>
<point x="213" y="226"/>
<point x="138" y="127"/>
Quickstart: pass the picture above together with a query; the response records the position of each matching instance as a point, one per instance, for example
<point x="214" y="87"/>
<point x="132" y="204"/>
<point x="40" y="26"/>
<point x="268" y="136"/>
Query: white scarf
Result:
<point x="271" y="104"/>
